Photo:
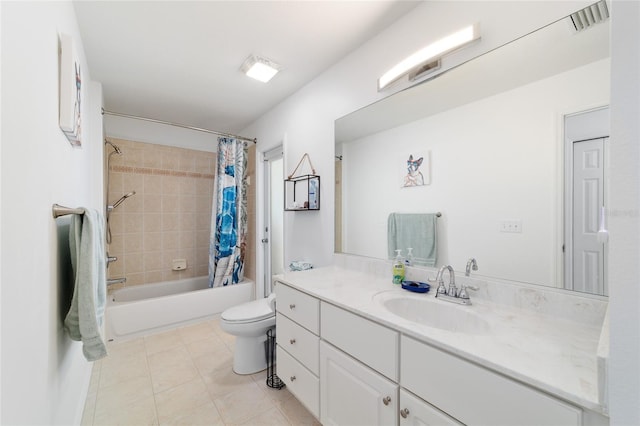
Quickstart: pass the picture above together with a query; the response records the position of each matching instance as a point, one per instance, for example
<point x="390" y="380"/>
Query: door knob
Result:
<point x="292" y="341"/>
<point x="293" y="378"/>
<point x="404" y="413"/>
<point x="386" y="400"/>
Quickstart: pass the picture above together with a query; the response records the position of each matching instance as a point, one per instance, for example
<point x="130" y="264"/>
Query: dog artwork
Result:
<point x="414" y="176"/>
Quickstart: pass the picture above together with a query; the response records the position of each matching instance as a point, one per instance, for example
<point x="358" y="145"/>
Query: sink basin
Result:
<point x="433" y="313"/>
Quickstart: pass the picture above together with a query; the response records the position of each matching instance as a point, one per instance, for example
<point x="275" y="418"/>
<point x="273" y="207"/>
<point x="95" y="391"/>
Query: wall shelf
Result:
<point x="302" y="193"/>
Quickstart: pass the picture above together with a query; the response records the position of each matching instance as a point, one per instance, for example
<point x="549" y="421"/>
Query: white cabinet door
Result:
<point x="415" y="412"/>
<point x="353" y="394"/>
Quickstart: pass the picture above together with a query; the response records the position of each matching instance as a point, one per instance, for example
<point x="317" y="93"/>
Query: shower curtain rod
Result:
<point x="168" y="123"/>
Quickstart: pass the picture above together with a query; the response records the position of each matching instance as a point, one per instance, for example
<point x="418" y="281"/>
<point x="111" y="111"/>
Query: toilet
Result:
<point x="249" y="322"/>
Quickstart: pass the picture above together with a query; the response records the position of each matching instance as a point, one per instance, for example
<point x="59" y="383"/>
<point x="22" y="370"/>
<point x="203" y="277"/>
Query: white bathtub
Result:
<point x="142" y="309"/>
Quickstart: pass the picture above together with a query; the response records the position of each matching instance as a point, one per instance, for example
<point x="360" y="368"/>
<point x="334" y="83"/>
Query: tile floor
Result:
<point x="184" y="377"/>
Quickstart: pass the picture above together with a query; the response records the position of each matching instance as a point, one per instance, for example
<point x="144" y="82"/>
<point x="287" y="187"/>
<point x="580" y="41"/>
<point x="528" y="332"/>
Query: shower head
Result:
<point x="115" y="147"/>
<point x="121" y="200"/>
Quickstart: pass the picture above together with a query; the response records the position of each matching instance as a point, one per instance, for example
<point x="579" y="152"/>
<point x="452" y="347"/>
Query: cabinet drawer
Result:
<point x="298" y="342"/>
<point x="475" y="395"/>
<point x="414" y="411"/>
<point x="300" y="382"/>
<point x="300" y="307"/>
<point x="370" y="343"/>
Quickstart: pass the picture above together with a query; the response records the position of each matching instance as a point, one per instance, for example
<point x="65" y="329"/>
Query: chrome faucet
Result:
<point x="471" y="264"/>
<point x="451" y="294"/>
<point x="452" y="290"/>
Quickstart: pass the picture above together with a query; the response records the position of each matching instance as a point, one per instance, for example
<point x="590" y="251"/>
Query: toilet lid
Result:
<point x="248" y="312"/>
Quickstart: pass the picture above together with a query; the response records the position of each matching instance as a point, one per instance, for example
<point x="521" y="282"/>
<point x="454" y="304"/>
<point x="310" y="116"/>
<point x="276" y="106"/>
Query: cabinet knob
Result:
<point x="293" y="378"/>
<point x="386" y="400"/>
<point x="292" y="306"/>
<point x="292" y="341"/>
<point x="404" y="413"/>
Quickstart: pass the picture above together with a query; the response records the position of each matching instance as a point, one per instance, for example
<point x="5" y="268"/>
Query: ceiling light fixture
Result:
<point x="261" y="69"/>
<point x="429" y="54"/>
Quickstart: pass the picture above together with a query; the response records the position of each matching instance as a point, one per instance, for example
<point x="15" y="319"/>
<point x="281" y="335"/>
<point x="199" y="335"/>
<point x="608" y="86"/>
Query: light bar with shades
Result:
<point x="429" y="54"/>
<point x="259" y="68"/>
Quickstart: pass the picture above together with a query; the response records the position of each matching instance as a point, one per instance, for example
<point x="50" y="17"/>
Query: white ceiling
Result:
<point x="179" y="60"/>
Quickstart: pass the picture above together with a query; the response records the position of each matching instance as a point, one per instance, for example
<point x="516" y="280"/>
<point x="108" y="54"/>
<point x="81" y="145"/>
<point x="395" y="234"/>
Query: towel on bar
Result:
<point x="84" y="319"/>
<point x="415" y="230"/>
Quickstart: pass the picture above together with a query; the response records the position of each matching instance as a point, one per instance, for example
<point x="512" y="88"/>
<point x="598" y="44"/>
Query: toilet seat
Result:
<point x="254" y="311"/>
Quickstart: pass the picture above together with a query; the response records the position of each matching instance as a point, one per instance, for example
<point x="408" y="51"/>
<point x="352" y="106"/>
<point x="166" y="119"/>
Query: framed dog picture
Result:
<point x="70" y="114"/>
<point x="416" y="169"/>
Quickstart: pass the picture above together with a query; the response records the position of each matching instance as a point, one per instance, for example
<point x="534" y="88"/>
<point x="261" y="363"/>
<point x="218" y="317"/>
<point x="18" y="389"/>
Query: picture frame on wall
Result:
<point x="415" y="169"/>
<point x="71" y="93"/>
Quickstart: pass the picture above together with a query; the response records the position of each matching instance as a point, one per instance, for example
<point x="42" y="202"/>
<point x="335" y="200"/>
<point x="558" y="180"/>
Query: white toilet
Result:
<point x="249" y="322"/>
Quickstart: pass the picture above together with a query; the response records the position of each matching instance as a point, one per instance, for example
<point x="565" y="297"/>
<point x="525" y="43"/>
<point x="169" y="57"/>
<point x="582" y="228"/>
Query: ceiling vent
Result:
<point x="590" y="15"/>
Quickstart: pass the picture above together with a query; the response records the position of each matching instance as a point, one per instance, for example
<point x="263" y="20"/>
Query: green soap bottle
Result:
<point x="398" y="269"/>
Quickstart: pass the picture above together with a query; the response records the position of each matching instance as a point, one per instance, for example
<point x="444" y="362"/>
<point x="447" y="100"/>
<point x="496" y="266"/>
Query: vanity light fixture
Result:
<point x="428" y="57"/>
<point x="260" y="68"/>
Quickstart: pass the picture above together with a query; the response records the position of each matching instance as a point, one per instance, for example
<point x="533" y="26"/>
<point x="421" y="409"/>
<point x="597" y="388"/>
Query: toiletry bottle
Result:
<point x="409" y="260"/>
<point x="398" y="269"/>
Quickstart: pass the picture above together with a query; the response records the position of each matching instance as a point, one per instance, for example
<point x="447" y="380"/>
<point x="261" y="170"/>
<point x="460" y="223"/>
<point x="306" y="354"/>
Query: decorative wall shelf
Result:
<point x="302" y="193"/>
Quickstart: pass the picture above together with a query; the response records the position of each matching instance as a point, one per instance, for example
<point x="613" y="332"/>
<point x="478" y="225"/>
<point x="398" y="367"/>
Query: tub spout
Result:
<point x="113" y="281"/>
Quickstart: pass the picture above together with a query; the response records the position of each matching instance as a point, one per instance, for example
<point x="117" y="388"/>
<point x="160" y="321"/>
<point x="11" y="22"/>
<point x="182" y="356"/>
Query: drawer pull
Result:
<point x="404" y="413"/>
<point x="292" y="341"/>
<point x="386" y="400"/>
<point x="292" y="306"/>
<point x="293" y="378"/>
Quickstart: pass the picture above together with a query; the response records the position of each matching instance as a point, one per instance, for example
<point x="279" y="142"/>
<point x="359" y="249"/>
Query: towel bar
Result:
<point x="59" y="210"/>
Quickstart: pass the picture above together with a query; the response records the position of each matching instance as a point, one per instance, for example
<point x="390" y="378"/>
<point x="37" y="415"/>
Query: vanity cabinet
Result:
<point x="297" y="351"/>
<point x="350" y="370"/>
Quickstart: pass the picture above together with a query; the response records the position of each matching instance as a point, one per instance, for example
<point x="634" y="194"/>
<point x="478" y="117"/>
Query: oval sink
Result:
<point x="433" y="313"/>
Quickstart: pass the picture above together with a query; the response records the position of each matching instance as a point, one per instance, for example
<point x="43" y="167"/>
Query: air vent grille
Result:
<point x="590" y="15"/>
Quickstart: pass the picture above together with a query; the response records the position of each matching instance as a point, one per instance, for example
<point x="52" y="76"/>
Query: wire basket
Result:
<point x="273" y="381"/>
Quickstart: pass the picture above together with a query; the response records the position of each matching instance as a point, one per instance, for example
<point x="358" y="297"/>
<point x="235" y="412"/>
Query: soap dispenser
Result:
<point x="409" y="260"/>
<point x="398" y="269"/>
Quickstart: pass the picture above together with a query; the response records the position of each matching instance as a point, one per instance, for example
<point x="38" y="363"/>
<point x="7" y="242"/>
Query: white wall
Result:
<point x="44" y="374"/>
<point x="624" y="215"/>
<point x="473" y="148"/>
<point x="305" y="121"/>
<point x="159" y="134"/>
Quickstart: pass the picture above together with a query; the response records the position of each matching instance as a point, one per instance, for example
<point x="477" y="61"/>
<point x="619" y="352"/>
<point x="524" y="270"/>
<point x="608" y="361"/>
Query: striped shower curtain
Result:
<point x="227" y="242"/>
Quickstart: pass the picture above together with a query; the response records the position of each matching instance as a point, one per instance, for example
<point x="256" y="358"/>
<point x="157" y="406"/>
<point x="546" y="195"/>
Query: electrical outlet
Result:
<point x="513" y="226"/>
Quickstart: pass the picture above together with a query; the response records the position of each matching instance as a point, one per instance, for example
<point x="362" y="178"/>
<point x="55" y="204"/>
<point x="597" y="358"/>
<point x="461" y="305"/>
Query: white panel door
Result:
<point x="353" y="394"/>
<point x="588" y="199"/>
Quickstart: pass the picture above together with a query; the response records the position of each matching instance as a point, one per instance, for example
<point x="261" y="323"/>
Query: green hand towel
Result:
<point x="84" y="319"/>
<point x="415" y="230"/>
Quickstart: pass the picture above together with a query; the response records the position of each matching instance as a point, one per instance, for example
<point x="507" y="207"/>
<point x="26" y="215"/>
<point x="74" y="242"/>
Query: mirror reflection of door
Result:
<point x="338" y="206"/>
<point x="586" y="149"/>
<point x="273" y="236"/>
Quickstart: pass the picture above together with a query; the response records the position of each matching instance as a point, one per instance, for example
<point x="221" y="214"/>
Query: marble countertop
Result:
<point x="552" y="353"/>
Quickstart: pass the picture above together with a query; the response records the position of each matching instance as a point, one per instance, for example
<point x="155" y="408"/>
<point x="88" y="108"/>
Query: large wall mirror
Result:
<point x="496" y="159"/>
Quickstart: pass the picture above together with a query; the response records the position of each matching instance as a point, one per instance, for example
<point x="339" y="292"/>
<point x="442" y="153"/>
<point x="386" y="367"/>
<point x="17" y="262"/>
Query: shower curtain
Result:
<point x="227" y="242"/>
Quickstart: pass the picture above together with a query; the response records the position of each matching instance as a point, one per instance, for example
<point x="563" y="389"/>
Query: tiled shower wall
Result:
<point x="170" y="215"/>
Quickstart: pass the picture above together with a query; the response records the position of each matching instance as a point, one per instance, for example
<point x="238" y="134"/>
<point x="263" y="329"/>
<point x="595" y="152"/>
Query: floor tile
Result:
<point x="162" y="341"/>
<point x="272" y="417"/>
<point x="195" y="332"/>
<point x="238" y="407"/>
<point x="184" y="376"/>
<point x="174" y="403"/>
<point x="142" y="412"/>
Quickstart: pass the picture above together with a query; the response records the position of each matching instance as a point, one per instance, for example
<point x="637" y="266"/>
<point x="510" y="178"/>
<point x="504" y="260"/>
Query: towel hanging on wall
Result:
<point x="84" y="319"/>
<point x="415" y="230"/>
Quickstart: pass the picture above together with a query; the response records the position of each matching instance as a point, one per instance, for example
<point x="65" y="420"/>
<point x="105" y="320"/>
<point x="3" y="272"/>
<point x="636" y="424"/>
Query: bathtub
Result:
<point x="143" y="309"/>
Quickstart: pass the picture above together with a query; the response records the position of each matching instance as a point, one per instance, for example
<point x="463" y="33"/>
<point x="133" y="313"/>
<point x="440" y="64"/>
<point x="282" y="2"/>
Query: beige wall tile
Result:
<point x="152" y="241"/>
<point x="132" y="242"/>
<point x="152" y="222"/>
<point x="152" y="203"/>
<point x="152" y="184"/>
